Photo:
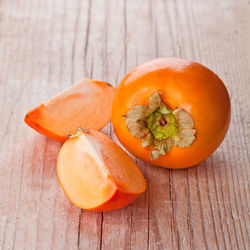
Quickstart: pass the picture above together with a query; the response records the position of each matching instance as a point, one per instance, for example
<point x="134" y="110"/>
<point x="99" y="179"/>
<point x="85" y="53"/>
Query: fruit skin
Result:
<point x="119" y="195"/>
<point x="184" y="84"/>
<point x="118" y="200"/>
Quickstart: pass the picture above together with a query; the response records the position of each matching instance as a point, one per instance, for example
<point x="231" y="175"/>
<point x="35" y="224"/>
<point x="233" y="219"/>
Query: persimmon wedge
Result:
<point x="96" y="174"/>
<point x="86" y="104"/>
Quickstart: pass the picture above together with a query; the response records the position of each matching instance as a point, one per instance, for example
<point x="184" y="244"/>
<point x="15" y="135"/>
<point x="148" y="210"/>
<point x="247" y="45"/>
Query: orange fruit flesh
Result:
<point x="86" y="104"/>
<point x="96" y="174"/>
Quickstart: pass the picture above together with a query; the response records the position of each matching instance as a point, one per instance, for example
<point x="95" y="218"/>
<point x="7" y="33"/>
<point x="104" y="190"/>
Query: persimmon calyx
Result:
<point x="78" y="132"/>
<point x="160" y="127"/>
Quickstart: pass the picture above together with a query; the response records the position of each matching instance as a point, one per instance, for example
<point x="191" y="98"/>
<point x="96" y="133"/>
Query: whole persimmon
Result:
<point x="171" y="112"/>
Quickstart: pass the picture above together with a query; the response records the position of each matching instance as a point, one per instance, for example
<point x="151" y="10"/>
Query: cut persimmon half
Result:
<point x="96" y="174"/>
<point x="86" y="104"/>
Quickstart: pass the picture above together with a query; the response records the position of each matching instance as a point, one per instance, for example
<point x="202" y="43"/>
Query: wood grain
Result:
<point x="48" y="45"/>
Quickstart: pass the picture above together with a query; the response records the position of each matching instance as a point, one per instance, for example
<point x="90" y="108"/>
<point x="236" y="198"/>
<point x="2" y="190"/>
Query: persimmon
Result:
<point x="96" y="174"/>
<point x="171" y="112"/>
<point x="86" y="104"/>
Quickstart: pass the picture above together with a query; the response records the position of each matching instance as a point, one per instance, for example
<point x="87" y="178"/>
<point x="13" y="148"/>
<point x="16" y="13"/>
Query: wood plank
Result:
<point x="116" y="230"/>
<point x="48" y="45"/>
<point x="36" y="213"/>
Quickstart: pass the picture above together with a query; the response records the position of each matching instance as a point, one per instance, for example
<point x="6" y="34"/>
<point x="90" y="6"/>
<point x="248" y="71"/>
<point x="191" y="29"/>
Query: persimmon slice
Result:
<point x="86" y="104"/>
<point x="96" y="174"/>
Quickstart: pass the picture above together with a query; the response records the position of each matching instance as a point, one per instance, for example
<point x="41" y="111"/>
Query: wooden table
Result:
<point x="46" y="46"/>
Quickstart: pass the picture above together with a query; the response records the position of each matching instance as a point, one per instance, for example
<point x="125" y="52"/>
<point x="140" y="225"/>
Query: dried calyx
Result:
<point x="160" y="127"/>
<point x="78" y="132"/>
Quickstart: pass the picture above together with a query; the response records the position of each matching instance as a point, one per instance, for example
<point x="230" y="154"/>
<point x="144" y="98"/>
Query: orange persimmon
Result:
<point x="96" y="174"/>
<point x="171" y="112"/>
<point x="86" y="104"/>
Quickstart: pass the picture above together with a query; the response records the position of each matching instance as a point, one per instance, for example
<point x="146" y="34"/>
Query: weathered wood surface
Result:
<point x="47" y="45"/>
